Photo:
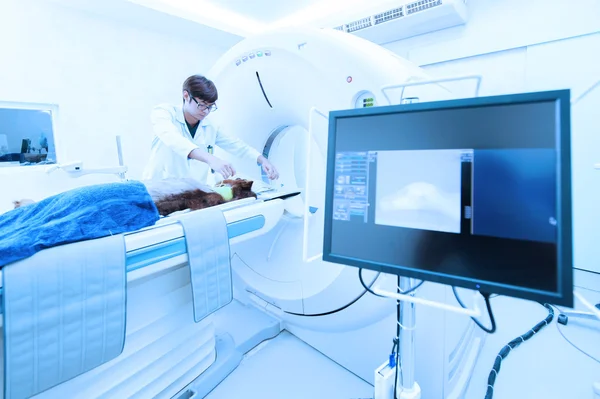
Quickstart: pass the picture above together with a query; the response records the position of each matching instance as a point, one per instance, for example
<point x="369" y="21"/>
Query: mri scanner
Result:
<point x="275" y="93"/>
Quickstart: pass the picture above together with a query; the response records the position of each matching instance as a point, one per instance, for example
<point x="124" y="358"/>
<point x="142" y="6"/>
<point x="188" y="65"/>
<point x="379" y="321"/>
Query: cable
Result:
<point x="396" y="348"/>
<point x="399" y="367"/>
<point x="488" y="305"/>
<point x="411" y="289"/>
<point x="513" y="344"/>
<point x="394" y="357"/>
<point x="559" y="328"/>
<point x="368" y="289"/>
<point x="563" y="319"/>
<point x="397" y="340"/>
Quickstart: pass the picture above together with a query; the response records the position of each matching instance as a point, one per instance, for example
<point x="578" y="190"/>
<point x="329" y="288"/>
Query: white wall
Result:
<point x="104" y="73"/>
<point x="531" y="45"/>
<point x="498" y="25"/>
<point x="520" y="46"/>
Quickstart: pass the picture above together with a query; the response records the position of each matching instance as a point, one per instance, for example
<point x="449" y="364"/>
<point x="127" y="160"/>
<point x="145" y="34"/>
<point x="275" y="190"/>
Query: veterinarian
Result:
<point x="184" y="140"/>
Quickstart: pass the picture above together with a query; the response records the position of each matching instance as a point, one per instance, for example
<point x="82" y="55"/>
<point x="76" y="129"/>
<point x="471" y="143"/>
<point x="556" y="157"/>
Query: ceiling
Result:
<point x="225" y="22"/>
<point x="264" y="11"/>
<point x="247" y="17"/>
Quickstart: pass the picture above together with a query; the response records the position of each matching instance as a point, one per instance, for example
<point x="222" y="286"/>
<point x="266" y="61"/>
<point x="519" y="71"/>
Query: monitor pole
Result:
<point x="406" y="376"/>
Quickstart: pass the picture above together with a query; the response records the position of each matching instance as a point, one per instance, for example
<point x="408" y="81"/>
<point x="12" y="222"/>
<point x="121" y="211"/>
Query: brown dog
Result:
<point x="173" y="195"/>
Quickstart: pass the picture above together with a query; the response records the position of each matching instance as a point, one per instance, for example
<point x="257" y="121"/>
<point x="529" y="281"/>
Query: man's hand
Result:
<point x="219" y="166"/>
<point x="269" y="169"/>
<point x="216" y="164"/>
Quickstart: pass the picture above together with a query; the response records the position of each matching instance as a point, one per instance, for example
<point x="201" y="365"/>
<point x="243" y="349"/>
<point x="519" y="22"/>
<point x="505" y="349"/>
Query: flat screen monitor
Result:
<point x="473" y="193"/>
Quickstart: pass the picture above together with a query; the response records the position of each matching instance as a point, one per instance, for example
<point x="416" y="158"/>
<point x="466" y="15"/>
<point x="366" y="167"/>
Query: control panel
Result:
<point x="350" y="200"/>
<point x="252" y="55"/>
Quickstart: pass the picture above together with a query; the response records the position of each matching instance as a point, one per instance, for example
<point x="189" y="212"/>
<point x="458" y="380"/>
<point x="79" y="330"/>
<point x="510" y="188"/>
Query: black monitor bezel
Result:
<point x="562" y="98"/>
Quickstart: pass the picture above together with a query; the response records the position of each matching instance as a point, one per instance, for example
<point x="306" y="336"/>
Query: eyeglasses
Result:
<point x="204" y="107"/>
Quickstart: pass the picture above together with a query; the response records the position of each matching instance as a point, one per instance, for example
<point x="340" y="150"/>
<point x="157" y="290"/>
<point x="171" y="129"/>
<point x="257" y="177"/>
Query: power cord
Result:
<point x="362" y="282"/>
<point x="513" y="344"/>
<point x="394" y="357"/>
<point x="488" y="305"/>
<point x="347" y="305"/>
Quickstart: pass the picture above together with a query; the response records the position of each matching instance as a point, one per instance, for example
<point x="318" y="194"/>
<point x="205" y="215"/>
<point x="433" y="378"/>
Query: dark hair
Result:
<point x="189" y="199"/>
<point x="201" y="87"/>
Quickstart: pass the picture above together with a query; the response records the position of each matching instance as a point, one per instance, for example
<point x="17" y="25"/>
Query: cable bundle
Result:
<point x="513" y="344"/>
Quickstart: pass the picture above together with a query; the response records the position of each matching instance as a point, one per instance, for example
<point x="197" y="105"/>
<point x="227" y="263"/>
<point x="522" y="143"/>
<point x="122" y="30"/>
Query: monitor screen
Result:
<point x="472" y="192"/>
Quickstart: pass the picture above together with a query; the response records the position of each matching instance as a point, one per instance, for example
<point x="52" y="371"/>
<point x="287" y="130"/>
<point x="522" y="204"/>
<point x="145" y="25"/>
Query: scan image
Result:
<point x="419" y="189"/>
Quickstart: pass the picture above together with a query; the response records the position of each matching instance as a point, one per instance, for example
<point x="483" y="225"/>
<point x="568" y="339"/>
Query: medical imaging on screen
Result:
<point x="447" y="209"/>
<point x="465" y="189"/>
<point x="419" y="189"/>
<point x="502" y="193"/>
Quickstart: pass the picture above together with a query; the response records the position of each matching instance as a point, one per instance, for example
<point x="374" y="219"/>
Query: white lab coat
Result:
<point x="172" y="142"/>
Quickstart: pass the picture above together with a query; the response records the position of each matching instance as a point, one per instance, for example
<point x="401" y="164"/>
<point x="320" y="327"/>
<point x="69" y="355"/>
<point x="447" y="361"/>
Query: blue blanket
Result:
<point x="81" y="214"/>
